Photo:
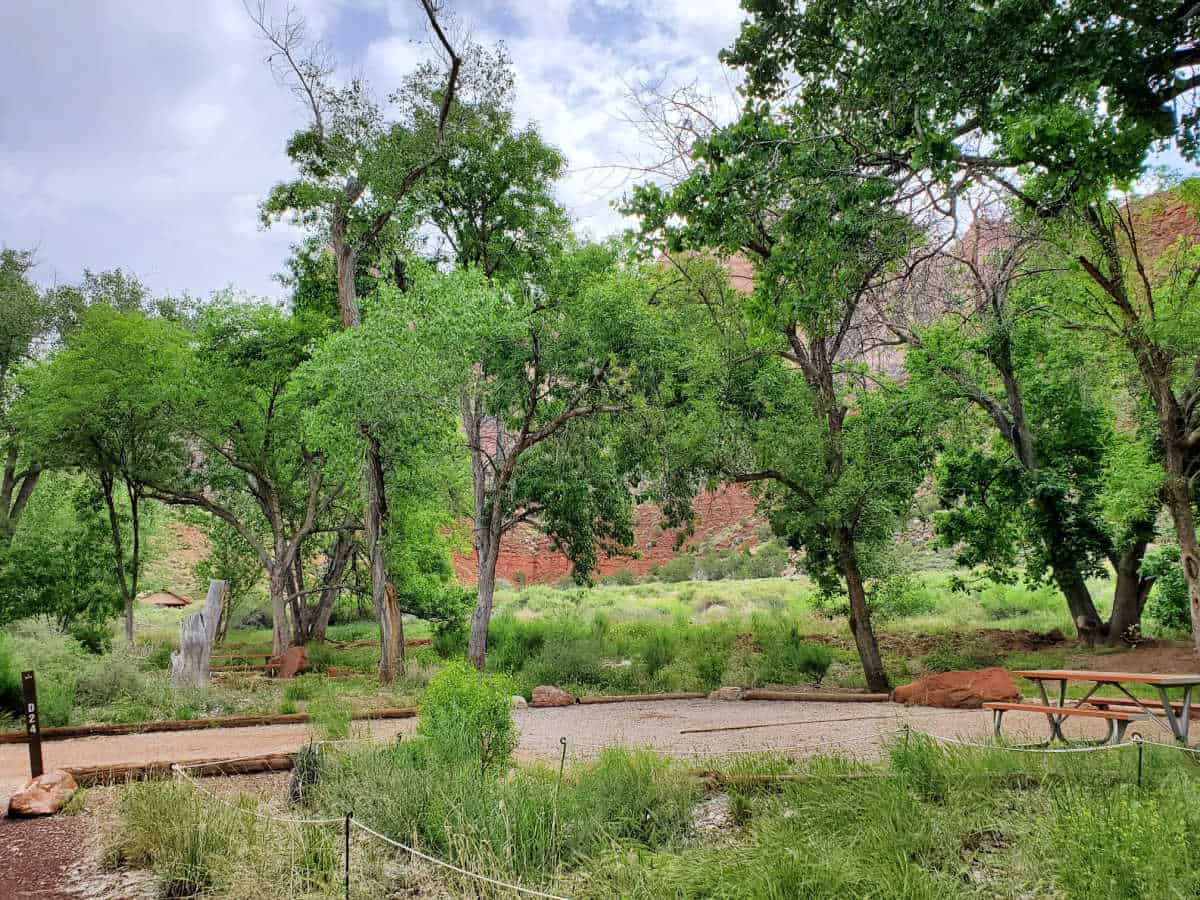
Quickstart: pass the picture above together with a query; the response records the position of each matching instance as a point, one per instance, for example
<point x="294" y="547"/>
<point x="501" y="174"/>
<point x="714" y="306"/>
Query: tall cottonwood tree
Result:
<point x="547" y="370"/>
<point x="103" y="404"/>
<point x="1141" y="292"/>
<point x="836" y="450"/>
<point x="380" y="385"/>
<point x="252" y="462"/>
<point x="24" y="320"/>
<point x="1046" y="100"/>
<point x="360" y="164"/>
<point x="993" y="345"/>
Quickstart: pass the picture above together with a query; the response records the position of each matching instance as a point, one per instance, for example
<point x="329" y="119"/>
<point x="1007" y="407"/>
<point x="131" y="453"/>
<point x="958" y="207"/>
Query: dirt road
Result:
<point x="850" y="727"/>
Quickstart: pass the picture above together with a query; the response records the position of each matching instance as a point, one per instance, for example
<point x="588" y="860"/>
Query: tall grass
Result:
<point x="926" y="822"/>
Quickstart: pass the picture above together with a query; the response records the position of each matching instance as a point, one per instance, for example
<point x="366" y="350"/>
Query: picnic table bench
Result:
<point x="1117" y="712"/>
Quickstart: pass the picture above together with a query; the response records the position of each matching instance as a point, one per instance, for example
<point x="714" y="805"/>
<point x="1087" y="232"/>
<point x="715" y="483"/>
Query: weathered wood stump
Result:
<point x="190" y="663"/>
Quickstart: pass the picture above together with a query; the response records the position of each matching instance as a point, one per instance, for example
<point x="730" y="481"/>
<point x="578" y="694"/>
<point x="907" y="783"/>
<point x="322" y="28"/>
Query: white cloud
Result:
<point x="145" y="135"/>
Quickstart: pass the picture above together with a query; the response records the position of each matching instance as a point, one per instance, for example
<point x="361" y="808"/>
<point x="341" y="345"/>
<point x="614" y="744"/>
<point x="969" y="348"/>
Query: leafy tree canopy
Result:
<point x="1074" y="91"/>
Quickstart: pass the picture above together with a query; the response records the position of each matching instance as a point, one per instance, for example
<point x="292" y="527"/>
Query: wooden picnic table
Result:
<point x="1177" y="714"/>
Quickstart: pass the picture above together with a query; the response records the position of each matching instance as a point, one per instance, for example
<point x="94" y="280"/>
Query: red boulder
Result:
<point x="960" y="690"/>
<point x="44" y="795"/>
<point x="291" y="662"/>
<point x="545" y="695"/>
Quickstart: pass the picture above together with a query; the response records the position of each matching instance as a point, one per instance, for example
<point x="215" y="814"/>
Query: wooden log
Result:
<point x="105" y="730"/>
<point x="246" y="667"/>
<point x="815" y="696"/>
<point x="190" y="663"/>
<point x="641" y="698"/>
<point x="119" y="773"/>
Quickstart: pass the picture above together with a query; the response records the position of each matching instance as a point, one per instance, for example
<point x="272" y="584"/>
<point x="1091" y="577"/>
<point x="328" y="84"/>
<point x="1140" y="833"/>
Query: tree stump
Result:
<point x="190" y="663"/>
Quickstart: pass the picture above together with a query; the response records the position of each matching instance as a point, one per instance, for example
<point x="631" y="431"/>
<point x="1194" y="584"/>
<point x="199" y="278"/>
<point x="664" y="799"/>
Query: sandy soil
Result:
<point x="805" y="727"/>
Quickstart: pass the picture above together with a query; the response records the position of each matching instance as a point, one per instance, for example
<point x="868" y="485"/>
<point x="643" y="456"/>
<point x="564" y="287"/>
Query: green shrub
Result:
<point x="465" y="713"/>
<point x="900" y="597"/>
<point x="622" y="577"/>
<point x="94" y="636"/>
<point x="158" y="659"/>
<point x="106" y="679"/>
<point x="1169" y="605"/>
<point x="10" y="681"/>
<point x="658" y="652"/>
<point x="681" y="568"/>
<point x="954" y="653"/>
<point x="450" y="639"/>
<point x="787" y="658"/>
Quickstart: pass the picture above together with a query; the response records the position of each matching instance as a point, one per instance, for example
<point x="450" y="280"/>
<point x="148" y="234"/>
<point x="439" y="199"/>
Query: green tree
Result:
<point x="102" y="404"/>
<point x="383" y="397"/>
<point x="59" y="563"/>
<point x="1072" y="94"/>
<point x="252" y="463"/>
<point x="360" y="166"/>
<point x="544" y="368"/>
<point x="799" y="404"/>
<point x="1139" y="291"/>
<point x="1031" y="491"/>
<point x="24" y="321"/>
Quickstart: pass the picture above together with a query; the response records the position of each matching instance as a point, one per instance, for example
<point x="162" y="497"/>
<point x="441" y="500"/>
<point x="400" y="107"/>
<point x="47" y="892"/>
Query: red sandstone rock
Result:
<point x="960" y="690"/>
<point x="44" y="795"/>
<point x="545" y="695"/>
<point x="291" y="662"/>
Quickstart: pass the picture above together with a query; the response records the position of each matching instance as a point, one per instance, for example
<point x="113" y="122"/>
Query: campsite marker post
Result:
<point x="33" y="730"/>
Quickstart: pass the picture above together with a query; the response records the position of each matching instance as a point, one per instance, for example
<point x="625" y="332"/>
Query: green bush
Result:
<point x="10" y="681"/>
<point x="787" y="658"/>
<point x="158" y="659"/>
<point x="681" y="568"/>
<point x="562" y="662"/>
<point x="900" y="597"/>
<point x="105" y="679"/>
<point x="465" y="713"/>
<point x="954" y="653"/>
<point x="658" y="652"/>
<point x="622" y="576"/>
<point x="1169" y="605"/>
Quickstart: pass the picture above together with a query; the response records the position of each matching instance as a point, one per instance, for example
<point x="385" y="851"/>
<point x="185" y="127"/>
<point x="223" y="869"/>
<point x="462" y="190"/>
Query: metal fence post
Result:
<point x="347" y="848"/>
<point x="1137" y="739"/>
<point x="33" y="729"/>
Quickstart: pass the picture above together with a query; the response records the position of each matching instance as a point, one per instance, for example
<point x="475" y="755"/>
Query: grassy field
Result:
<point x="623" y="639"/>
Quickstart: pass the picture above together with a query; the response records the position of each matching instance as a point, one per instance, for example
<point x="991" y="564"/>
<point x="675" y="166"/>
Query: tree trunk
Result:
<point x="391" y="636"/>
<point x="331" y="583"/>
<point x="277" y="586"/>
<point x="106" y="486"/>
<point x="345" y="257"/>
<point x="860" y="616"/>
<point x="488" y="550"/>
<point x="1180" y="502"/>
<point x="1130" y="592"/>
<point x="190" y="663"/>
<point x="375" y="515"/>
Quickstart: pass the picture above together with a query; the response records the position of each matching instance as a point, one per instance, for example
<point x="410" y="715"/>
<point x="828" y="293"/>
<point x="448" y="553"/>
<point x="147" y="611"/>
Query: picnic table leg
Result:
<point x="1055" y="721"/>
<point x="1179" y="728"/>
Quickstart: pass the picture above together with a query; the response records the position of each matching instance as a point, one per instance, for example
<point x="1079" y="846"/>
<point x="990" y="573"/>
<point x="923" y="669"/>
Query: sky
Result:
<point x="143" y="134"/>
